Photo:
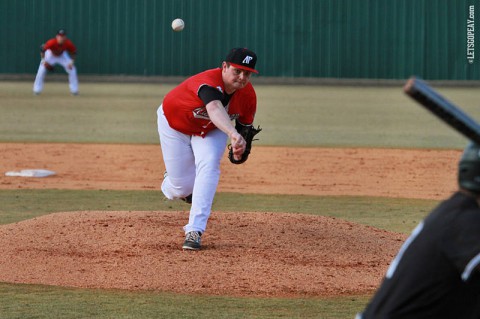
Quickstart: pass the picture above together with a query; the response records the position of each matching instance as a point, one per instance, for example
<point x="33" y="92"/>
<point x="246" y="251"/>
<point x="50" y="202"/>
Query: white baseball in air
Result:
<point x="178" y="24"/>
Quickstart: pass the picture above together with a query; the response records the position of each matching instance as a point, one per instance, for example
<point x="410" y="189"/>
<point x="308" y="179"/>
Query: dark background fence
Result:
<point x="349" y="39"/>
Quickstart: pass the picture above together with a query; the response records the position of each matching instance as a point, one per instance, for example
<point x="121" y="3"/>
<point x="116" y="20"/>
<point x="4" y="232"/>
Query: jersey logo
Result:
<point x="201" y="113"/>
<point x="220" y="88"/>
<point x="247" y="59"/>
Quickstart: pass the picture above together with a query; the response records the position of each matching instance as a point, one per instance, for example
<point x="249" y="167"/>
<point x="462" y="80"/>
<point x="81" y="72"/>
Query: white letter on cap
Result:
<point x="247" y="59"/>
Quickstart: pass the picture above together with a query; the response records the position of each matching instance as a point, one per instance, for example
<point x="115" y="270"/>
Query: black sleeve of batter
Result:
<point x="208" y="94"/>
<point x="459" y="221"/>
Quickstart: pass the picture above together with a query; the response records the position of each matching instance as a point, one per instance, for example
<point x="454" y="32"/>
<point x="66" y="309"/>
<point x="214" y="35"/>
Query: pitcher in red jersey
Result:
<point x="194" y="124"/>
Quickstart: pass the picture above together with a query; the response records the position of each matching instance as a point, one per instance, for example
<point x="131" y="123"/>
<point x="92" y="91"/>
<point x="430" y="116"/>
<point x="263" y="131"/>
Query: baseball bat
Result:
<point x="451" y="114"/>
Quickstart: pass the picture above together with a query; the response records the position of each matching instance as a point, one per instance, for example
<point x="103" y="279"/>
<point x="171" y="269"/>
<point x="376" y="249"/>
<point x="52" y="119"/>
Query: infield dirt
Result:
<point x="257" y="254"/>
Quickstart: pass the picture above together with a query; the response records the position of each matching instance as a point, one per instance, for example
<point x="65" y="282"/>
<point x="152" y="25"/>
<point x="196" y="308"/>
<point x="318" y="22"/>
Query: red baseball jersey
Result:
<point x="186" y="112"/>
<point x="58" y="49"/>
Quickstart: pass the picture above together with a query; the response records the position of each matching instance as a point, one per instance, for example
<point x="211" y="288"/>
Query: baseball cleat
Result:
<point x="187" y="199"/>
<point x="192" y="240"/>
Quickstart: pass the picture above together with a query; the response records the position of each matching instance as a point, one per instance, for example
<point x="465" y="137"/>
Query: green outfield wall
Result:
<point x="353" y="39"/>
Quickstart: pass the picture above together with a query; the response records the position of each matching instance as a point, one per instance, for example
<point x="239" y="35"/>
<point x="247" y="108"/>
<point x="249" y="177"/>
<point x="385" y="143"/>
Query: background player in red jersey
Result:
<point x="436" y="273"/>
<point x="59" y="50"/>
<point x="194" y="123"/>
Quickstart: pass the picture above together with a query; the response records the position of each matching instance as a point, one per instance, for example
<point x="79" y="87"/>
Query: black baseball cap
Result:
<point x="61" y="32"/>
<point x="242" y="58"/>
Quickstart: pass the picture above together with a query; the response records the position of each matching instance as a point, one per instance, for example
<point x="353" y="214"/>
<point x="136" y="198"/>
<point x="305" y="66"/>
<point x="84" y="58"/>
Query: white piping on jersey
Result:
<point x="396" y="260"/>
<point x="470" y="267"/>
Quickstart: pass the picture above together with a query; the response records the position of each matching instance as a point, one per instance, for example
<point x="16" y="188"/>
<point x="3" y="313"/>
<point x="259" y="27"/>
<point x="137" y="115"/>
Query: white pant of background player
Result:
<point x="193" y="167"/>
<point x="64" y="60"/>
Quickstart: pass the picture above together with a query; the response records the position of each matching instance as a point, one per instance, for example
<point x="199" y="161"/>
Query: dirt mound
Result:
<point x="257" y="254"/>
<point x="244" y="254"/>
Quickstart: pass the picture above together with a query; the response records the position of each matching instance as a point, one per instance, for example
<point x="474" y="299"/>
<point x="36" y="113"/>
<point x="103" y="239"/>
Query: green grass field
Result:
<point x="313" y="116"/>
<point x="291" y="115"/>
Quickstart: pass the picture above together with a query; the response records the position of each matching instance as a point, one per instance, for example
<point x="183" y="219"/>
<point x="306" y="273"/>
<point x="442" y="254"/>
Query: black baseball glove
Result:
<point x="248" y="132"/>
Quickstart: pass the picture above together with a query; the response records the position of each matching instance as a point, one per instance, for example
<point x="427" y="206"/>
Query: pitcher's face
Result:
<point x="234" y="78"/>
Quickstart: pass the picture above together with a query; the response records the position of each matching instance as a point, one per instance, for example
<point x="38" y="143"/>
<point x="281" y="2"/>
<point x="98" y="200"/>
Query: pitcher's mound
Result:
<point x="257" y="254"/>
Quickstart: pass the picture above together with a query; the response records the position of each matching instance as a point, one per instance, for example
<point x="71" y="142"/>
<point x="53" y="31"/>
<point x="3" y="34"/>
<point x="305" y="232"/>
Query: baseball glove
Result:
<point x="248" y="132"/>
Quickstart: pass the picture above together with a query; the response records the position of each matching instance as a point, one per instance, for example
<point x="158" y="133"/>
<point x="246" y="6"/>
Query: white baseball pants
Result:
<point x="64" y="60"/>
<point x="193" y="167"/>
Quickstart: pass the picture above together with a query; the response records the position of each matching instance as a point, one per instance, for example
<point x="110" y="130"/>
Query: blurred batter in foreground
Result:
<point x="436" y="273"/>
